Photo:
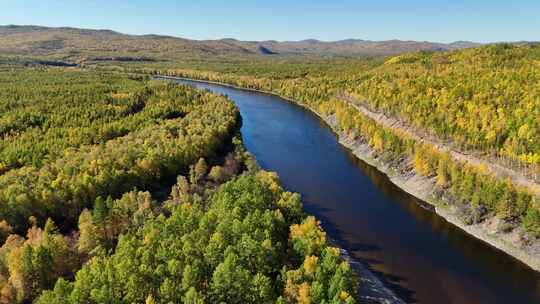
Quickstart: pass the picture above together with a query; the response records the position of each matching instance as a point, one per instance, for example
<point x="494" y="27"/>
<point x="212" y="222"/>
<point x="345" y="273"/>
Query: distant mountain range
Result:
<point x="359" y="47"/>
<point x="87" y="44"/>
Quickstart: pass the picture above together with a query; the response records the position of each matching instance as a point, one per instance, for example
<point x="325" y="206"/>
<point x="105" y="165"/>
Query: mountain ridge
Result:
<point x="80" y="43"/>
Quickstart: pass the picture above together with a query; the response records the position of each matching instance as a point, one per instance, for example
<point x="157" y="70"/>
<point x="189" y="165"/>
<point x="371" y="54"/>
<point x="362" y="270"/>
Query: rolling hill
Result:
<point x="73" y="44"/>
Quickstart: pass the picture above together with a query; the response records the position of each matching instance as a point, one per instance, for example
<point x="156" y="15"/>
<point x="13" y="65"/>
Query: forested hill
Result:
<point x="74" y="45"/>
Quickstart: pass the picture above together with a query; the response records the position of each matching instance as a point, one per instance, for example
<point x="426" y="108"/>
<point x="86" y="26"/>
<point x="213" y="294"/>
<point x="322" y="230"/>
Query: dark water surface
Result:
<point x="416" y="253"/>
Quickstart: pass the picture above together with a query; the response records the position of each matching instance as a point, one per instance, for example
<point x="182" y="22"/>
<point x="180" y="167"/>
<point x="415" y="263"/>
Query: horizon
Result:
<point x="419" y="20"/>
<point x="210" y="151"/>
<point x="234" y="38"/>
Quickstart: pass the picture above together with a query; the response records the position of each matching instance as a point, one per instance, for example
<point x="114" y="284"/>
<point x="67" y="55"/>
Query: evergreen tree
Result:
<point x="100" y="211"/>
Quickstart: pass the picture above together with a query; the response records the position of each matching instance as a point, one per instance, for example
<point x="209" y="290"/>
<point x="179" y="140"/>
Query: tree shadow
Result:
<point x="336" y="236"/>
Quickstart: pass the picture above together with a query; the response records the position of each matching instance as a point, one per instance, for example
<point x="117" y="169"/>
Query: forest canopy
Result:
<point x="481" y="101"/>
<point x="115" y="188"/>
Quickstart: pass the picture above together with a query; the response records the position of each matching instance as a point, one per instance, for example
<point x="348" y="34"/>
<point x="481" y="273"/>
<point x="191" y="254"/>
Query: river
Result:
<point x="415" y="252"/>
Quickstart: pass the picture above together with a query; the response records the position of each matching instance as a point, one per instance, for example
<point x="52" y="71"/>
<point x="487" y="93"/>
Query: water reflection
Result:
<point x="416" y="253"/>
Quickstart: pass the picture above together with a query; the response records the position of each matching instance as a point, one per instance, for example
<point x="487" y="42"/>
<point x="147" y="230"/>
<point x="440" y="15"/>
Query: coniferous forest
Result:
<point x="117" y="186"/>
<point x="481" y="102"/>
<point x="119" y="189"/>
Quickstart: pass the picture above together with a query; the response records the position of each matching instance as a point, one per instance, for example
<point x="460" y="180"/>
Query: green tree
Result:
<point x="531" y="221"/>
<point x="193" y="297"/>
<point x="49" y="232"/>
<point x="230" y="282"/>
<point x="217" y="174"/>
<point x="198" y="171"/>
<point x="43" y="267"/>
<point x="60" y="294"/>
<point x="89" y="236"/>
<point x="100" y="211"/>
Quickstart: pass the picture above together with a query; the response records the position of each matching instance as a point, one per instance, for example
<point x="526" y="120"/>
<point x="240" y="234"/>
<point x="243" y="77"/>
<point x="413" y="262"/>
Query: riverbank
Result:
<point x="511" y="242"/>
<point x="491" y="166"/>
<point x="422" y="188"/>
<point x="371" y="288"/>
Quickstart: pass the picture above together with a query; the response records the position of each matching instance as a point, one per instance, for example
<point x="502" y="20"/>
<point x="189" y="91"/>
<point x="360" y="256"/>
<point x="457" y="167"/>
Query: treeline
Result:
<point x="478" y="194"/>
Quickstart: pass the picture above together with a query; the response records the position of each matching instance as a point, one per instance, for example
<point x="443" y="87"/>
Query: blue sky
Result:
<point x="443" y="20"/>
